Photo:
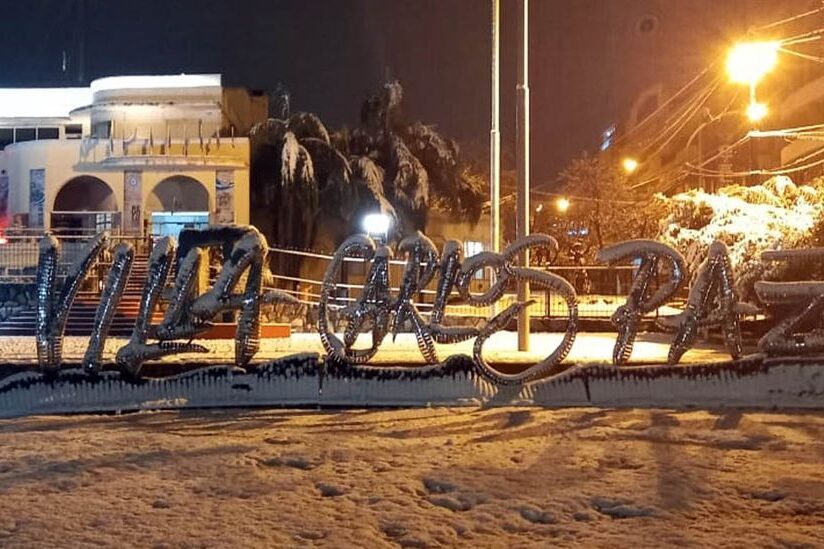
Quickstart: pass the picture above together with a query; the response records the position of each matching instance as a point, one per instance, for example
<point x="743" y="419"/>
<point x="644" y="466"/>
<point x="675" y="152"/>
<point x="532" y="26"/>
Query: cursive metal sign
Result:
<point x="660" y="273"/>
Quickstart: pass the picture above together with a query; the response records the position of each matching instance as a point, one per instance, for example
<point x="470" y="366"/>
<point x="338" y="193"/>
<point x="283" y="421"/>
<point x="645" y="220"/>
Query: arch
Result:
<point x="178" y="193"/>
<point x="85" y="193"/>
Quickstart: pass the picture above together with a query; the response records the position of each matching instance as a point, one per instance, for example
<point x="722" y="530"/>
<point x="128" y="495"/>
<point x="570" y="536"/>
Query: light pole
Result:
<point x="748" y="63"/>
<point x="495" y="142"/>
<point x="522" y="151"/>
<point x="495" y="135"/>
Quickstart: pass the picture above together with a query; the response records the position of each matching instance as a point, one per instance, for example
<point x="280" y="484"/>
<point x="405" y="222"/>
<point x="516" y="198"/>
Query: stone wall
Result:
<point x="16" y="297"/>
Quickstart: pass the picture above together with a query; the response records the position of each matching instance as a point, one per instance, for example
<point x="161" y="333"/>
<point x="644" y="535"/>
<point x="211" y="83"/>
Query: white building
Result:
<point x="129" y="154"/>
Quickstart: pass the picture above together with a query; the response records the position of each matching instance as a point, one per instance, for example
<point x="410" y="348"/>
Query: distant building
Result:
<point x="131" y="154"/>
<point x="655" y="49"/>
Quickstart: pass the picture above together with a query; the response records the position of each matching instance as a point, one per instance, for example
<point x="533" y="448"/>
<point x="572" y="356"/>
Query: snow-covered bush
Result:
<point x="774" y="215"/>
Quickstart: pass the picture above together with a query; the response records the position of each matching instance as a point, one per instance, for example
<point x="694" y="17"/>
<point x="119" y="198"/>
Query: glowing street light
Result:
<point x="629" y="165"/>
<point x="562" y="204"/>
<point x="748" y="62"/>
<point x="376" y="224"/>
<point x="756" y="111"/>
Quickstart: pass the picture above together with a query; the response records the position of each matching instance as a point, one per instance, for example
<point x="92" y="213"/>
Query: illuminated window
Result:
<point x="471" y="248"/>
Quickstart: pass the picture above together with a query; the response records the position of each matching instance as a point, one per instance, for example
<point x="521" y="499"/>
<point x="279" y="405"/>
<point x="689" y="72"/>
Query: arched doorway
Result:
<point x="178" y="202"/>
<point x="85" y="204"/>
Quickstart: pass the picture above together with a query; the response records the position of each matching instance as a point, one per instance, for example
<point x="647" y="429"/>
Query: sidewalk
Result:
<point x="593" y="348"/>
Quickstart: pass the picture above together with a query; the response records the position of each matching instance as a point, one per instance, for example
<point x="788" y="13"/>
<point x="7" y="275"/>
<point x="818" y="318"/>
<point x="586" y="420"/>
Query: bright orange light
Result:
<point x="756" y="111"/>
<point x="630" y="165"/>
<point x="562" y="204"/>
<point x="748" y="62"/>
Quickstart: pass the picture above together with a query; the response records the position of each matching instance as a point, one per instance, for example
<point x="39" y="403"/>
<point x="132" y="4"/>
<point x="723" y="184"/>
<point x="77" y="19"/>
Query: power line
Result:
<point x="588" y="198"/>
<point x="663" y="105"/>
<point x="792" y="167"/>
<point x="789" y="19"/>
<point x="808" y="57"/>
<point x="685" y="118"/>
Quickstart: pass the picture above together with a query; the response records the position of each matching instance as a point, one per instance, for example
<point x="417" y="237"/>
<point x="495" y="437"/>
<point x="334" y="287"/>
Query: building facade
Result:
<point x="134" y="155"/>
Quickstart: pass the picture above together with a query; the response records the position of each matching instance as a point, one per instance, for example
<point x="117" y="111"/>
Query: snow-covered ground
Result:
<point x="414" y="478"/>
<point x="501" y="347"/>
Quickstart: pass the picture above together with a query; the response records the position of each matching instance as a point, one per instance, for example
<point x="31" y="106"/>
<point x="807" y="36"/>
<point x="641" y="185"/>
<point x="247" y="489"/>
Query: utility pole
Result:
<point x="522" y="128"/>
<point x="495" y="135"/>
<point x="495" y="142"/>
<point x="81" y="41"/>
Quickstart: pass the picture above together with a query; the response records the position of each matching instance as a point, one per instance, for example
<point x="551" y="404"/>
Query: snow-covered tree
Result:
<point x="777" y="214"/>
<point x="604" y="205"/>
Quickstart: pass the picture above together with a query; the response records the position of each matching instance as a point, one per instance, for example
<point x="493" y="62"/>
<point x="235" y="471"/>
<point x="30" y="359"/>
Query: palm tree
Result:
<point x="301" y="174"/>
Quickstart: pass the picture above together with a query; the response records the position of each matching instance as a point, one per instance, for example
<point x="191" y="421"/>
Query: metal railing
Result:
<point x="605" y="289"/>
<point x="19" y="254"/>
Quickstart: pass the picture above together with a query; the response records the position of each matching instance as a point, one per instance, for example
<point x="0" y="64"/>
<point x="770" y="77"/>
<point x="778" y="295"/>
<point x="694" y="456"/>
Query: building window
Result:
<point x="472" y="248"/>
<point x="6" y="137"/>
<point x="102" y="130"/>
<point x="48" y="133"/>
<point x="24" y="134"/>
<point x="74" y="131"/>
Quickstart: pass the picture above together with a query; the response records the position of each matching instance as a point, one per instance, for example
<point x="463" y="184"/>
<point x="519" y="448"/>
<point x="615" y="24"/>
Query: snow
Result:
<point x="462" y="477"/>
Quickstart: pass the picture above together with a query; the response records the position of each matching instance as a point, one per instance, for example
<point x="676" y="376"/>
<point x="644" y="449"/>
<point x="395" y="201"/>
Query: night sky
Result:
<point x="589" y="60"/>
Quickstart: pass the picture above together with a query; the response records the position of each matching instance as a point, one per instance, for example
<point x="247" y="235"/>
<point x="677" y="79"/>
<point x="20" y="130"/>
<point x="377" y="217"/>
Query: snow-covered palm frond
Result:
<point x="471" y="194"/>
<point x="372" y="113"/>
<point x="307" y="124"/>
<point x="409" y="180"/>
<point x="361" y="143"/>
<point x="438" y="155"/>
<point x="340" y="140"/>
<point x="392" y="98"/>
<point x="367" y="179"/>
<point x="270" y="132"/>
<point x="280" y="103"/>
<point x="454" y="188"/>
<point x="334" y="177"/>
<point x="296" y="164"/>
<point x="331" y="167"/>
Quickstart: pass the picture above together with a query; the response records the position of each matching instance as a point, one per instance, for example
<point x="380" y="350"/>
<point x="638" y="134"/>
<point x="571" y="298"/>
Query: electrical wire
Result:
<point x="587" y="198"/>
<point x="805" y="37"/>
<point x="665" y="104"/>
<point x="792" y="167"/>
<point x="686" y="117"/>
<point x="814" y="34"/>
<point x="788" y="19"/>
<point x="808" y="57"/>
<point x="797" y="129"/>
<point x="717" y="174"/>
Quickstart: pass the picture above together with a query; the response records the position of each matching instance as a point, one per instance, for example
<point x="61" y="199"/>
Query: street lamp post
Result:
<point x="495" y="135"/>
<point x="495" y="142"/>
<point x="522" y="215"/>
<point x="748" y="63"/>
